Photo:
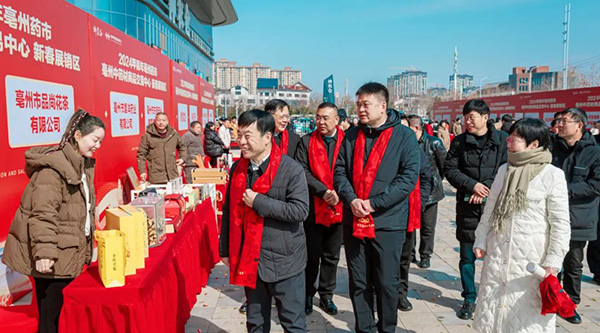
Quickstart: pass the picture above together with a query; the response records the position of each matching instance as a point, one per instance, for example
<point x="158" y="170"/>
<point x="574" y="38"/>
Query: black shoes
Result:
<point x="424" y="263"/>
<point x="466" y="312"/>
<point x="576" y="319"/>
<point x="414" y="260"/>
<point x="328" y="306"/>
<point x="308" y="306"/>
<point x="244" y="307"/>
<point x="404" y="304"/>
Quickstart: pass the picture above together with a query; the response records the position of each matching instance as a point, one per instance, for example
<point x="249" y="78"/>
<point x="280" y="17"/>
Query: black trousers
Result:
<point x="593" y="256"/>
<point x="323" y="247"/>
<point x="49" y="301"/>
<point x="405" y="259"/>
<point x="374" y="265"/>
<point x="428" y="223"/>
<point x="573" y="270"/>
<point x="289" y="299"/>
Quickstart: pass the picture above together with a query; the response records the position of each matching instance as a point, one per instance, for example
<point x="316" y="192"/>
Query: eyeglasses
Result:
<point x="471" y="118"/>
<point x="562" y="121"/>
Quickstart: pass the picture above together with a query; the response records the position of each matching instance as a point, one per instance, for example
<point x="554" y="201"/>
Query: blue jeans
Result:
<point x="466" y="266"/>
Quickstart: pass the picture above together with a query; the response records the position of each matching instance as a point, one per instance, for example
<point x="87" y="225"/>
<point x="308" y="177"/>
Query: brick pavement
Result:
<point x="434" y="293"/>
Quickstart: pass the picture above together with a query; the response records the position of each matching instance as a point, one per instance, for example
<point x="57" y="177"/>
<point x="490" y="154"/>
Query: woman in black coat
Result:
<point x="213" y="145"/>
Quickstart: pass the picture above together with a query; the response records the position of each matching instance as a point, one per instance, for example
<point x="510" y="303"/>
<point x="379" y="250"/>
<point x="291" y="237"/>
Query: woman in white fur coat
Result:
<point x="526" y="219"/>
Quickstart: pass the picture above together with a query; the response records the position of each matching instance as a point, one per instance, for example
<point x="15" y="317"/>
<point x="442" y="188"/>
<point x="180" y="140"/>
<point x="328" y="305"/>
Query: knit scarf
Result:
<point x="522" y="168"/>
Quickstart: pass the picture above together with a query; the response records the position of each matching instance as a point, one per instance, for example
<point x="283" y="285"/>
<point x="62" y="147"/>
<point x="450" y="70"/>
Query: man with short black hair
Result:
<point x="436" y="153"/>
<point x="507" y="122"/>
<point x="574" y="150"/>
<point x="317" y="153"/>
<point x="377" y="168"/>
<point x="344" y="123"/>
<point x="262" y="237"/>
<point x="286" y="139"/>
<point x="471" y="166"/>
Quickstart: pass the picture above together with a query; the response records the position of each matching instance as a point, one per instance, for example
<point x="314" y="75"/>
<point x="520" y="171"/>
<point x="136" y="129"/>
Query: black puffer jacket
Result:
<point x="213" y="145"/>
<point x="395" y="179"/>
<point x="435" y="151"/>
<point x="468" y="164"/>
<point x="582" y="169"/>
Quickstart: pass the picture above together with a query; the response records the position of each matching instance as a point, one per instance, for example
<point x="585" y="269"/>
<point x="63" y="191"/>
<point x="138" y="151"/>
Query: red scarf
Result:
<point x="283" y="144"/>
<point x="246" y="227"/>
<point x="319" y="166"/>
<point x="364" y="176"/>
<point x="414" y="208"/>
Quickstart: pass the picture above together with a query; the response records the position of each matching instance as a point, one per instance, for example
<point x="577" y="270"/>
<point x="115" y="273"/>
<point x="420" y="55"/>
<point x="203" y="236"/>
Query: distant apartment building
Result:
<point x="407" y="83"/>
<point x="228" y="75"/>
<point x="541" y="79"/>
<point x="464" y="83"/>
<point x="297" y="94"/>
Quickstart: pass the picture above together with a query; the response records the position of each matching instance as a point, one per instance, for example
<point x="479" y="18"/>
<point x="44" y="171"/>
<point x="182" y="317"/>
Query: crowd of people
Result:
<point x="525" y="193"/>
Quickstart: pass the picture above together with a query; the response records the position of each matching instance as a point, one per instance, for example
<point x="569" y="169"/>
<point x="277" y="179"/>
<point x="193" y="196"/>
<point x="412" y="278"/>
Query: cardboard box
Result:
<point x="140" y="215"/>
<point x="118" y="219"/>
<point x="111" y="257"/>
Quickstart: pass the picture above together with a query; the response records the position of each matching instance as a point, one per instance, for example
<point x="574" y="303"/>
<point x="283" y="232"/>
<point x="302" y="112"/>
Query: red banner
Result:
<point x="541" y="105"/>
<point x="186" y="95"/>
<point x="207" y="101"/>
<point x="44" y="78"/>
<point x="131" y="85"/>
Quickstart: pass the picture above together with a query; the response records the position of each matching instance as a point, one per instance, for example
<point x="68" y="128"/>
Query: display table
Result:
<point x="160" y="296"/>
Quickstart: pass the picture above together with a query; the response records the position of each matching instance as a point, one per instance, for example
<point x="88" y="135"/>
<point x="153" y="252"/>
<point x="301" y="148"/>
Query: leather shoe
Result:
<point x="466" y="312"/>
<point x="328" y="306"/>
<point x="424" y="263"/>
<point x="576" y="319"/>
<point x="244" y="307"/>
<point x="308" y="306"/>
<point x="404" y="304"/>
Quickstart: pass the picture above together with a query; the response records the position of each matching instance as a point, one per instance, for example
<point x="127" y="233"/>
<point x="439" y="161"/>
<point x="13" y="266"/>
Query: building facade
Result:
<point x="541" y="79"/>
<point x="408" y="83"/>
<point x="182" y="29"/>
<point x="464" y="83"/>
<point x="228" y="75"/>
<point x="296" y="95"/>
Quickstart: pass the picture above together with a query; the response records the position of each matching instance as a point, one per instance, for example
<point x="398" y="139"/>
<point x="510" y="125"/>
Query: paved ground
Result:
<point x="434" y="293"/>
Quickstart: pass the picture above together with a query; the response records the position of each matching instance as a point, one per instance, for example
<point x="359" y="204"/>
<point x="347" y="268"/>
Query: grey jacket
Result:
<point x="193" y="143"/>
<point x="284" y="208"/>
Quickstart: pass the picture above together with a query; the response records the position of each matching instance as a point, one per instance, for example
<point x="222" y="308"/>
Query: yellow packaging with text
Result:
<point x="111" y="257"/>
<point x="118" y="219"/>
<point x="140" y="216"/>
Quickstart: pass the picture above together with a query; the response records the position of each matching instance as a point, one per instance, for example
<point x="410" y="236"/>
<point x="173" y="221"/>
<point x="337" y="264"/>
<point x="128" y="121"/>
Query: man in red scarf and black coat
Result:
<point x="317" y="153"/>
<point x="377" y="168"/>
<point x="262" y="236"/>
<point x="285" y="138"/>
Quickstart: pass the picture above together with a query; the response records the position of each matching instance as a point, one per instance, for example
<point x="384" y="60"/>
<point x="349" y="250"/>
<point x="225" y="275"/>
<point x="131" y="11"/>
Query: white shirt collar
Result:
<point x="256" y="166"/>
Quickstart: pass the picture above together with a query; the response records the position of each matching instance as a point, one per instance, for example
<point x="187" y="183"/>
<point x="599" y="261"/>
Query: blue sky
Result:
<point x="363" y="40"/>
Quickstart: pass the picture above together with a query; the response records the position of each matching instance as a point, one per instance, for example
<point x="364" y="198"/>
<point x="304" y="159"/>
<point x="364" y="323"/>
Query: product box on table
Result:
<point x="118" y="219"/>
<point x="154" y="206"/>
<point x="209" y="176"/>
<point x="174" y="211"/>
<point x="111" y="257"/>
<point x="141" y="218"/>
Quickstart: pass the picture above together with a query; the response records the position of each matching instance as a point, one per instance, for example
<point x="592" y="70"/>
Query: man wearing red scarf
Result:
<point x="317" y="153"/>
<point x="285" y="138"/>
<point x="262" y="237"/>
<point x="376" y="169"/>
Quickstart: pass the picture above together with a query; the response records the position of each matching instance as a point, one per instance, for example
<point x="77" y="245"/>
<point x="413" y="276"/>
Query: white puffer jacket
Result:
<point x="509" y="296"/>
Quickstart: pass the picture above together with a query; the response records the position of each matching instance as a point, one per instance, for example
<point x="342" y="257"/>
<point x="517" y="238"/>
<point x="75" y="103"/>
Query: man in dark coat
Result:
<point x="377" y="168"/>
<point x="323" y="226"/>
<point x="285" y="138"/>
<point x="436" y="153"/>
<point x="192" y="140"/>
<point x="471" y="166"/>
<point x="574" y="150"/>
<point x="277" y="267"/>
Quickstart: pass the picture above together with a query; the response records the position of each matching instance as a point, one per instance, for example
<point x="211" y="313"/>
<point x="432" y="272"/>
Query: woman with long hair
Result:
<point x="50" y="237"/>
<point x="526" y="219"/>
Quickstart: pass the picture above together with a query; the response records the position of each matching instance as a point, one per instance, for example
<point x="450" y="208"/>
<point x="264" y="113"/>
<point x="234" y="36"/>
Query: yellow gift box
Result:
<point x="111" y="257"/>
<point x="118" y="219"/>
<point x="140" y="216"/>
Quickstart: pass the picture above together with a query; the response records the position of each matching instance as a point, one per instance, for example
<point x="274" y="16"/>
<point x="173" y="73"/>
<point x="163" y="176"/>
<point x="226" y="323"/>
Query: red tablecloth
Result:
<point x="160" y="296"/>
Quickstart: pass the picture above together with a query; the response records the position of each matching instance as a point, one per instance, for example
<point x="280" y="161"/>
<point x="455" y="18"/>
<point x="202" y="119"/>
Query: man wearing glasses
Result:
<point x="286" y="139"/>
<point x="471" y="166"/>
<point x="575" y="151"/>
